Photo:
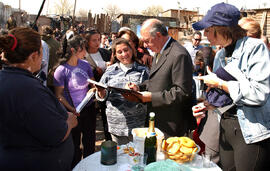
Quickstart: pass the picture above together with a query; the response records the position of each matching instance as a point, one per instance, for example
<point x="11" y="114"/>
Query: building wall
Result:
<point x="257" y="14"/>
<point x="5" y="12"/>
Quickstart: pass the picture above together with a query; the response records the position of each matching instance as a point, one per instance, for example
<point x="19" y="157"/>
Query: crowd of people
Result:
<point x="218" y="95"/>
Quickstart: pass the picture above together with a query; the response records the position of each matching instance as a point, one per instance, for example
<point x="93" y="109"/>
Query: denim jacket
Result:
<point x="249" y="64"/>
<point x="124" y="115"/>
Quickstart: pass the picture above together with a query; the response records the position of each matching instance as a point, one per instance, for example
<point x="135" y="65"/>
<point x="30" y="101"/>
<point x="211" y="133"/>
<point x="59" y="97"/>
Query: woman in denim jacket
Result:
<point x="245" y="127"/>
<point x="122" y="115"/>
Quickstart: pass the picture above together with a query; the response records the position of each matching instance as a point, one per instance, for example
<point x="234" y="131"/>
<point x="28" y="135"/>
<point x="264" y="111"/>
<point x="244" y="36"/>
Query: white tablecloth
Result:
<point x="92" y="163"/>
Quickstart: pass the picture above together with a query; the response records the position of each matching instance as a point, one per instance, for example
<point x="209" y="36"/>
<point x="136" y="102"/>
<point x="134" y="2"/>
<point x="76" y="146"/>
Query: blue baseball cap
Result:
<point x="221" y="14"/>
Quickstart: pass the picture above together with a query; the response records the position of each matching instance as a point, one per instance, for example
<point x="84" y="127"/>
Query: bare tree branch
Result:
<point x="63" y="7"/>
<point x="153" y="10"/>
<point x="113" y="11"/>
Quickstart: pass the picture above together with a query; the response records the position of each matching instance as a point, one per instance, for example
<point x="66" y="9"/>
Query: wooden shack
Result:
<point x="184" y="17"/>
<point x="135" y="21"/>
<point x="263" y="17"/>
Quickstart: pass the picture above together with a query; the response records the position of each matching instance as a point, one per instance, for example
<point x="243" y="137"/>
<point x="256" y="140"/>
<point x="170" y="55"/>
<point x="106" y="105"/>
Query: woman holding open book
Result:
<point x="71" y="86"/>
<point x="122" y="115"/>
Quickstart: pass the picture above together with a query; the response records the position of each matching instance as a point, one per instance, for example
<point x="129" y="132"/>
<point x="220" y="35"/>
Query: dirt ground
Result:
<point x="99" y="133"/>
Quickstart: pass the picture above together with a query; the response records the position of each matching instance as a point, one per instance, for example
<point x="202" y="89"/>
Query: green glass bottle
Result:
<point x="150" y="143"/>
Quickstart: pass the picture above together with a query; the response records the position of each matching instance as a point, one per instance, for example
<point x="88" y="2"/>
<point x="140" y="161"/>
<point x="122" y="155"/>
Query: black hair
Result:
<point x="74" y="41"/>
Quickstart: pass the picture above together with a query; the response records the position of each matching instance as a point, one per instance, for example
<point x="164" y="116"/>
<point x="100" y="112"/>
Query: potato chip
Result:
<point x="174" y="148"/>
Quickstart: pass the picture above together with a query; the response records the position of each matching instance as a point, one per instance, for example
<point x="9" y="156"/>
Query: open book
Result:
<point x="130" y="95"/>
<point x="85" y="100"/>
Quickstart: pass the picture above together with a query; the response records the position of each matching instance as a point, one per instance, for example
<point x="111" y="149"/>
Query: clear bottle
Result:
<point x="150" y="143"/>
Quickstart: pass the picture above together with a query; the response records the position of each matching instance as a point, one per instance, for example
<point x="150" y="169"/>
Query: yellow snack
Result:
<point x="175" y="156"/>
<point x="172" y="140"/>
<point x="185" y="141"/>
<point x="173" y="148"/>
<point x="195" y="149"/>
<point x="186" y="150"/>
<point x="179" y="149"/>
<point x="129" y="150"/>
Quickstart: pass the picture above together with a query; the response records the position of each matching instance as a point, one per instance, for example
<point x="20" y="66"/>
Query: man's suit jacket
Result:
<point x="170" y="82"/>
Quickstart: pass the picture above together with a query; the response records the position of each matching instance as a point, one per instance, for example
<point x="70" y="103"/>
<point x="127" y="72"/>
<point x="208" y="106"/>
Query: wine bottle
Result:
<point x="150" y="143"/>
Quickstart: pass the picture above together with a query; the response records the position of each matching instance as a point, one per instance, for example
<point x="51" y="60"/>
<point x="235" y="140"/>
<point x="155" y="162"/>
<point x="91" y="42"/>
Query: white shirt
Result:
<point x="126" y="67"/>
<point x="45" y="59"/>
<point x="98" y="60"/>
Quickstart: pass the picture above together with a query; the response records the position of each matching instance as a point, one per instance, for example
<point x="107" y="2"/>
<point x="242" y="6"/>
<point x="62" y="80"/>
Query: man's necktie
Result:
<point x="157" y="57"/>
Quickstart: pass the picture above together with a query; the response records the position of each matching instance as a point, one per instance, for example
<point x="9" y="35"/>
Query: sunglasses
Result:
<point x="198" y="39"/>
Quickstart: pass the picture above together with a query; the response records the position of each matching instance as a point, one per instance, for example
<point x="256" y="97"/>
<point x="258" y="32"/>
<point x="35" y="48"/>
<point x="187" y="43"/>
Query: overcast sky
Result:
<point x="98" y="6"/>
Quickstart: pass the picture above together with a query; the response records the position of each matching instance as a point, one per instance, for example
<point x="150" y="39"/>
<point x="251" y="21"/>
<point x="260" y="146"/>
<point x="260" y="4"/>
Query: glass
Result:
<point x="206" y="159"/>
<point x="141" y="161"/>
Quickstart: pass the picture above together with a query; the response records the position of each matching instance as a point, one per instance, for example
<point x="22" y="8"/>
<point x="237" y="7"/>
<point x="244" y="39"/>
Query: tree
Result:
<point x="153" y="10"/>
<point x="82" y="13"/>
<point x="113" y="11"/>
<point x="63" y="7"/>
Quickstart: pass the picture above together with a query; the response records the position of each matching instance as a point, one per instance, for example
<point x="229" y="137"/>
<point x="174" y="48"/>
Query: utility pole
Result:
<point x="47" y="8"/>
<point x="73" y="17"/>
<point x="20" y="5"/>
<point x="179" y="8"/>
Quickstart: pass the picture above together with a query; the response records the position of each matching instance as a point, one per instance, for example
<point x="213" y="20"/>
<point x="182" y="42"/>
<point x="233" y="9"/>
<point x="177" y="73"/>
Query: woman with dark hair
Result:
<point x="239" y="90"/>
<point x="142" y="54"/>
<point x="34" y="127"/>
<point x="122" y="115"/>
<point x="99" y="59"/>
<point x="71" y="86"/>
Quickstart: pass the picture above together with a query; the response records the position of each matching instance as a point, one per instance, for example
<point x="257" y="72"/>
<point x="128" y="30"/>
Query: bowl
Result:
<point x="179" y="152"/>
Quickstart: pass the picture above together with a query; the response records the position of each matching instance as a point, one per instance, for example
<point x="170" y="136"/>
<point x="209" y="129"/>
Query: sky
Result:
<point x="98" y="6"/>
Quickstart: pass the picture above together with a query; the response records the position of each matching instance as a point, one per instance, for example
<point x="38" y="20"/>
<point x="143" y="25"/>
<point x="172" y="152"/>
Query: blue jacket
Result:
<point x="249" y="64"/>
<point x="124" y="115"/>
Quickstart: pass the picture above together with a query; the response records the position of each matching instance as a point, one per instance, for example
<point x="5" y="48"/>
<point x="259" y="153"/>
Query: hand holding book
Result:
<point x="129" y="94"/>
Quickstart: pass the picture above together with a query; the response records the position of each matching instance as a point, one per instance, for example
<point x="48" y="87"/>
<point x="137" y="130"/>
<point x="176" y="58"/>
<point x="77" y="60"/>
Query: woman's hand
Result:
<point x="92" y="90"/>
<point x="99" y="71"/>
<point x="211" y="80"/>
<point x="108" y="64"/>
<point x="72" y="122"/>
<point x="101" y="91"/>
<point x="132" y="86"/>
<point x="199" y="110"/>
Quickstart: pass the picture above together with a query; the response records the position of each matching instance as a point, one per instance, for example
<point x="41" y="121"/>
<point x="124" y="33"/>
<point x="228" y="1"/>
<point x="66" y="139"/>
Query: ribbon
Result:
<point x="15" y="42"/>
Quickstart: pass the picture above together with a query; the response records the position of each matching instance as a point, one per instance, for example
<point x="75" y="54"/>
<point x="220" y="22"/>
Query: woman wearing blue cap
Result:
<point x="243" y="73"/>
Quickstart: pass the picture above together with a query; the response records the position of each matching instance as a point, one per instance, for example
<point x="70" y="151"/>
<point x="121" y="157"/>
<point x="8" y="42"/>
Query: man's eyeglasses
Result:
<point x="198" y="39"/>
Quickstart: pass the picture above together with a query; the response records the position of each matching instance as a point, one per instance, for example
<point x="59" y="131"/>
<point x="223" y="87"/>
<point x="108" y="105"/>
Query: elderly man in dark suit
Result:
<point x="168" y="90"/>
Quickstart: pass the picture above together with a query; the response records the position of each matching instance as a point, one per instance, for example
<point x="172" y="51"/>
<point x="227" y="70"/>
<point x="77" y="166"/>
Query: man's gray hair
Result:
<point x="158" y="27"/>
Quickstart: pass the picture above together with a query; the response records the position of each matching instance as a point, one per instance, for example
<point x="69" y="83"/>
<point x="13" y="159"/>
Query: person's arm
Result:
<point x="59" y="95"/>
<point x="72" y="122"/>
<point x="44" y="117"/>
<point x="252" y="85"/>
<point x="59" y="83"/>
<point x="212" y="81"/>
<point x="181" y="83"/>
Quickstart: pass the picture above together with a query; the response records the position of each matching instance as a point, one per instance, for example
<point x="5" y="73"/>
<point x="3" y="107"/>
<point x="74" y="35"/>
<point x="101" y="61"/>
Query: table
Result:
<point x="92" y="163"/>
